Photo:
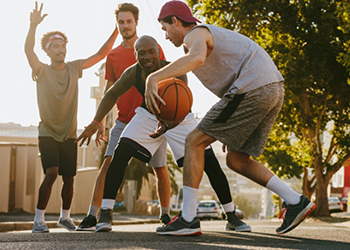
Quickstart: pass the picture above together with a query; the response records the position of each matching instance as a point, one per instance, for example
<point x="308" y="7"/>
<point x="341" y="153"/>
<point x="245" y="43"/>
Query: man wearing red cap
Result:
<point x="243" y="75"/>
<point x="57" y="91"/>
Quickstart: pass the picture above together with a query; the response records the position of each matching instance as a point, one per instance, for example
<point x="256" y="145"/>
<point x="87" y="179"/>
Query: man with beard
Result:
<point x="118" y="60"/>
<point x="57" y="93"/>
<point x="138" y="139"/>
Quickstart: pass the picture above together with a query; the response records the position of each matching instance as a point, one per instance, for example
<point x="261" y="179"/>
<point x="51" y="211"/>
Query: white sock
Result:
<point x="189" y="209"/>
<point x="276" y="185"/>
<point x="65" y="214"/>
<point x="93" y="210"/>
<point x="228" y="207"/>
<point x="107" y="204"/>
<point x="164" y="210"/>
<point x="39" y="215"/>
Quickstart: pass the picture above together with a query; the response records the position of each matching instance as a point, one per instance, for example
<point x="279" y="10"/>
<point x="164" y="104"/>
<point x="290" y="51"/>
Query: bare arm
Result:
<point x="35" y="19"/>
<point x="122" y="85"/>
<point x="106" y="47"/>
<point x="196" y="43"/>
<point x="102" y="127"/>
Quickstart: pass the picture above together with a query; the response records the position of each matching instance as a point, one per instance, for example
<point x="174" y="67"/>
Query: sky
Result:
<point x="87" y="24"/>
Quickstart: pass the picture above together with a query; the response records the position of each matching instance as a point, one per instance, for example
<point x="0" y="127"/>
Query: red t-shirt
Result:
<point x="119" y="59"/>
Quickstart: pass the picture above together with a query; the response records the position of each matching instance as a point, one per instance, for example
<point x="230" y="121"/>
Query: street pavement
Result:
<point x="138" y="232"/>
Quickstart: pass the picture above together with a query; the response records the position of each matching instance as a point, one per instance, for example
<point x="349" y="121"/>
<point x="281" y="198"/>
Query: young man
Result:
<point x="118" y="60"/>
<point x="136" y="140"/>
<point x="57" y="91"/>
<point x="243" y="75"/>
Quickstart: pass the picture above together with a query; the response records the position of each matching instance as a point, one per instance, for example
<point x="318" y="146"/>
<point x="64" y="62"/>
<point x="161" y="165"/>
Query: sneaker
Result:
<point x="105" y="222"/>
<point x="88" y="224"/>
<point x="67" y="224"/>
<point x="295" y="214"/>
<point x="179" y="227"/>
<point x="235" y="224"/>
<point x="40" y="227"/>
<point x="164" y="219"/>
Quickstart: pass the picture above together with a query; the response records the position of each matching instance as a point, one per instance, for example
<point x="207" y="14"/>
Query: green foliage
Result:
<point x="172" y="168"/>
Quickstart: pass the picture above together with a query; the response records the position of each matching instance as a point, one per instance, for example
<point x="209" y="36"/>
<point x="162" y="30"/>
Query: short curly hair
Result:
<point x="123" y="7"/>
<point x="49" y="34"/>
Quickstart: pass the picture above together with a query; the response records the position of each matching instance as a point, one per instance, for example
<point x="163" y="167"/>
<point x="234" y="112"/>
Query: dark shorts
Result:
<point x="59" y="154"/>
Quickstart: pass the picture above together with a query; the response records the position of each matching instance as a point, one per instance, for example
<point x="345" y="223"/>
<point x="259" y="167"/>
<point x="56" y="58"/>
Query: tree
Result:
<point x="306" y="42"/>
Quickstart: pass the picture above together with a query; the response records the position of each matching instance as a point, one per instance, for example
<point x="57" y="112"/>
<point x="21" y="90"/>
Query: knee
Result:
<point x="51" y="176"/>
<point x="237" y="162"/>
<point x="196" y="139"/>
<point x="68" y="181"/>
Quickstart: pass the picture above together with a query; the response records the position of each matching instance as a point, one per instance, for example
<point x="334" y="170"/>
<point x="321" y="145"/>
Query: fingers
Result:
<point x="41" y="7"/>
<point x="36" y="5"/>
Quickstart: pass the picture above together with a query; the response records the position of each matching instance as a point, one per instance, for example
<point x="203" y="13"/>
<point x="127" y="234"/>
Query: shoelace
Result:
<point x="173" y="219"/>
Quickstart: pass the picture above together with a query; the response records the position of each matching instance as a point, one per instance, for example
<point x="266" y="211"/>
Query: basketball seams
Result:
<point x="171" y="90"/>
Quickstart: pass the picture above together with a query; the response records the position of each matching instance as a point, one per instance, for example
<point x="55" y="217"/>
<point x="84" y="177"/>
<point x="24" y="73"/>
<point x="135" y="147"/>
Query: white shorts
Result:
<point x="144" y="123"/>
<point x="159" y="158"/>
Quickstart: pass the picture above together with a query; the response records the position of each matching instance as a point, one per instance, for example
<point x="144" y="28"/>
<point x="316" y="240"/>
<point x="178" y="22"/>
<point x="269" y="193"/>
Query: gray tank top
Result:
<point x="236" y="64"/>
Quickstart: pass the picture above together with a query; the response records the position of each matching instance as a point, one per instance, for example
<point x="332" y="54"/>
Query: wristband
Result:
<point x="96" y="122"/>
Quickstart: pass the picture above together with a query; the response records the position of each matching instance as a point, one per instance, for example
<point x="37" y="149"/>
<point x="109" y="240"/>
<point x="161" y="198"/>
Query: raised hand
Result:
<point x="87" y="133"/>
<point x="151" y="95"/>
<point x="35" y="16"/>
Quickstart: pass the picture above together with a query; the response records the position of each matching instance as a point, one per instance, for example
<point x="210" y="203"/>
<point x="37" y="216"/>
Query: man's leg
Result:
<point x="299" y="207"/>
<point x="220" y="184"/>
<point x="67" y="196"/>
<point x="44" y="196"/>
<point x="113" y="180"/>
<point x="163" y="191"/>
<point x="90" y="221"/>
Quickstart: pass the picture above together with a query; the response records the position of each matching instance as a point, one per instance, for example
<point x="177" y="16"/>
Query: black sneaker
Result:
<point x="105" y="222"/>
<point x="164" y="219"/>
<point x="235" y="224"/>
<point x="179" y="227"/>
<point x="295" y="214"/>
<point x="88" y="224"/>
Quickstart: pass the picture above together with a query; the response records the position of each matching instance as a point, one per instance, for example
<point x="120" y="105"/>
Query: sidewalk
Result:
<point x="21" y="220"/>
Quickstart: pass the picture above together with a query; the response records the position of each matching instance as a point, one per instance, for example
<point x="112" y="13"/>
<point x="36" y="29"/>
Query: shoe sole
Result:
<point x="63" y="226"/>
<point x="182" y="232"/>
<point x="300" y="217"/>
<point x="104" y="228"/>
<point x="238" y="229"/>
<point x="86" y="229"/>
<point x="46" y="231"/>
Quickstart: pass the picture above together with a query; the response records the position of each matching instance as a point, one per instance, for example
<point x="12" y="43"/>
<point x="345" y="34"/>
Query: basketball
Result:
<point x="177" y="97"/>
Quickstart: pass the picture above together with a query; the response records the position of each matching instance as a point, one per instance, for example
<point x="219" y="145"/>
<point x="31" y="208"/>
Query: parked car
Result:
<point x="210" y="209"/>
<point x="334" y="204"/>
<point x="239" y="213"/>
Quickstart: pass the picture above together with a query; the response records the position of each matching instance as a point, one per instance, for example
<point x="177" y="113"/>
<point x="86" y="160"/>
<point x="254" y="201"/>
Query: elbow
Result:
<point x="199" y="61"/>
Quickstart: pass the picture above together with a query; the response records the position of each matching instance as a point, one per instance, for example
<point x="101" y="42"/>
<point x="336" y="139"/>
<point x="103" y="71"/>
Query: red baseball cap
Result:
<point x="178" y="9"/>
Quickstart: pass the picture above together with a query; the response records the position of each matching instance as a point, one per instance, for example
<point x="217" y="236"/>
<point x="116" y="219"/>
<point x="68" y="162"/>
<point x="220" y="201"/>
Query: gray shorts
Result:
<point x="243" y="122"/>
<point x="158" y="159"/>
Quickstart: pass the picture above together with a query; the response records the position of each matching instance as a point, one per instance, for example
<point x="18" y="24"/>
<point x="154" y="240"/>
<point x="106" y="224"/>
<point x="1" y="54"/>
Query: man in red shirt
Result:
<point x="119" y="59"/>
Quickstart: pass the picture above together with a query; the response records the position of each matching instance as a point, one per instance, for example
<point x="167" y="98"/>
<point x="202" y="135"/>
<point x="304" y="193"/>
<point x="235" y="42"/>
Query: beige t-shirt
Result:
<point x="57" y="95"/>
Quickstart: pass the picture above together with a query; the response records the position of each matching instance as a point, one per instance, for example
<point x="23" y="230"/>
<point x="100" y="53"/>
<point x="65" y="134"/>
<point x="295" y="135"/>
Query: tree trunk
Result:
<point x="321" y="192"/>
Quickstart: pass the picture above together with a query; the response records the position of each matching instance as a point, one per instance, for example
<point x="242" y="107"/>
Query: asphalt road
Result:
<point x="311" y="234"/>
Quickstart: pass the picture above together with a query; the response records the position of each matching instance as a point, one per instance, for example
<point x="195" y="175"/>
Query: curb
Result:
<point x="20" y="226"/>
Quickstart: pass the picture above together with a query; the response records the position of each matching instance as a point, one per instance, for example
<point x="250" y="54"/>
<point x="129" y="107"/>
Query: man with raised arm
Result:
<point x="57" y="94"/>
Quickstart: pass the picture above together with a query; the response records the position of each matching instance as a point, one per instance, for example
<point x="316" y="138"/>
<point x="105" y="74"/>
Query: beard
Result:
<point x="127" y="37"/>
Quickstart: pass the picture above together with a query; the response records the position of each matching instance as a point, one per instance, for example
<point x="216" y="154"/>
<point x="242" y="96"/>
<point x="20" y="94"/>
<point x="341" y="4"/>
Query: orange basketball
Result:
<point x="178" y="99"/>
